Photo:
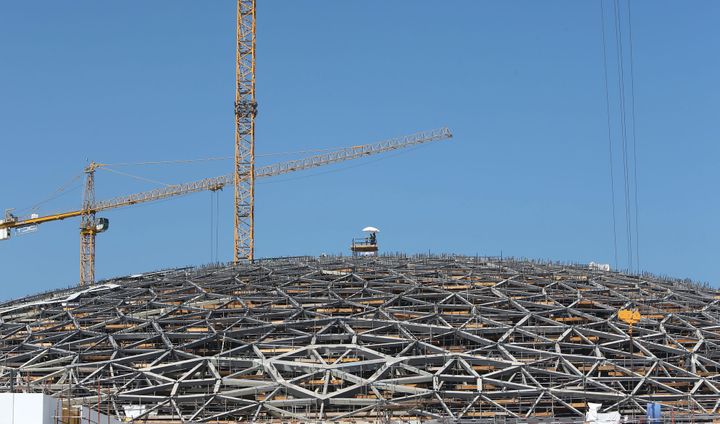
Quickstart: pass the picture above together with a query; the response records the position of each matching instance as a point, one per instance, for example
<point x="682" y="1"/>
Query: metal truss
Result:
<point x="245" y="112"/>
<point x="369" y="339"/>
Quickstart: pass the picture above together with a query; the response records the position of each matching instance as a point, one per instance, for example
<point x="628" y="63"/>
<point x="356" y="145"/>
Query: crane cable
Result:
<point x="609" y="133"/>
<point x="64" y="189"/>
<point x="170" y="162"/>
<point x="629" y="159"/>
<point x="367" y="162"/>
<point x="214" y="226"/>
<point x="221" y="158"/>
<point x="137" y="177"/>
<point x="631" y="197"/>
<point x="634" y="138"/>
<point x="623" y="130"/>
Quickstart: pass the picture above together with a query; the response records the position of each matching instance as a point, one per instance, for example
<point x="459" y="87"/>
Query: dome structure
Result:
<point x="369" y="339"/>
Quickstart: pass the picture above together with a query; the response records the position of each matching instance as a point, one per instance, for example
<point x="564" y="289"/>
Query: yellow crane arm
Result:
<point x="11" y="221"/>
<point x="217" y="183"/>
<point x="354" y="152"/>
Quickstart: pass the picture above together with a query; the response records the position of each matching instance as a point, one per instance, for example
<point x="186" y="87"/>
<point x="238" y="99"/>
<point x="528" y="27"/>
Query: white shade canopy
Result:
<point x="371" y="230"/>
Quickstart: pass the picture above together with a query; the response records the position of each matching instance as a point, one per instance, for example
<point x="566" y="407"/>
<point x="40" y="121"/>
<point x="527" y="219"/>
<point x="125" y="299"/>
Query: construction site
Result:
<point x="368" y="339"/>
<point x="363" y="336"/>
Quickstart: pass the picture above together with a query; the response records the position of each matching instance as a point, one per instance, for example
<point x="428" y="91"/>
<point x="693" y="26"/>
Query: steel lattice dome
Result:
<point x="368" y="339"/>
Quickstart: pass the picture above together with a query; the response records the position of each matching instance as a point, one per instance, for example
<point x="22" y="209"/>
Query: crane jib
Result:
<point x="217" y="183"/>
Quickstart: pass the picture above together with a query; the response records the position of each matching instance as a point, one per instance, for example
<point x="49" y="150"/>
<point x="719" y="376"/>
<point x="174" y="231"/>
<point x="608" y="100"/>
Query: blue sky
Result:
<point x="520" y="83"/>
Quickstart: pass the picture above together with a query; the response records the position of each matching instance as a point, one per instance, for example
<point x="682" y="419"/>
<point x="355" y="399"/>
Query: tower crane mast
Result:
<point x="88" y="228"/>
<point x="245" y="112"/>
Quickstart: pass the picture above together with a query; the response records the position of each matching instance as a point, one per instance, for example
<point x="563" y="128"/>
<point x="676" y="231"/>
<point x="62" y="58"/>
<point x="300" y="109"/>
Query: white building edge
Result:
<point x="39" y="408"/>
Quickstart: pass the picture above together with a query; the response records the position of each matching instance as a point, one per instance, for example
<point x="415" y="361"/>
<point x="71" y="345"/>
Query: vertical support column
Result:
<point x="87" y="229"/>
<point x="87" y="257"/>
<point x="245" y="111"/>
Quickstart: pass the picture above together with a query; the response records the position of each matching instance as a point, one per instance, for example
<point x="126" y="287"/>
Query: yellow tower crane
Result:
<point x="245" y="111"/>
<point x="91" y="225"/>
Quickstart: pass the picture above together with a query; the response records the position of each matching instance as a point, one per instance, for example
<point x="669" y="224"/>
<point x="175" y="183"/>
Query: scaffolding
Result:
<point x="374" y="339"/>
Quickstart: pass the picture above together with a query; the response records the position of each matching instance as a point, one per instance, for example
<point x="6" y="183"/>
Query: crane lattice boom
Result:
<point x="217" y="183"/>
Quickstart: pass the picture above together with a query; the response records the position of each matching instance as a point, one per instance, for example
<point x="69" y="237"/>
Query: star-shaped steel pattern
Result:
<point x="368" y="339"/>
